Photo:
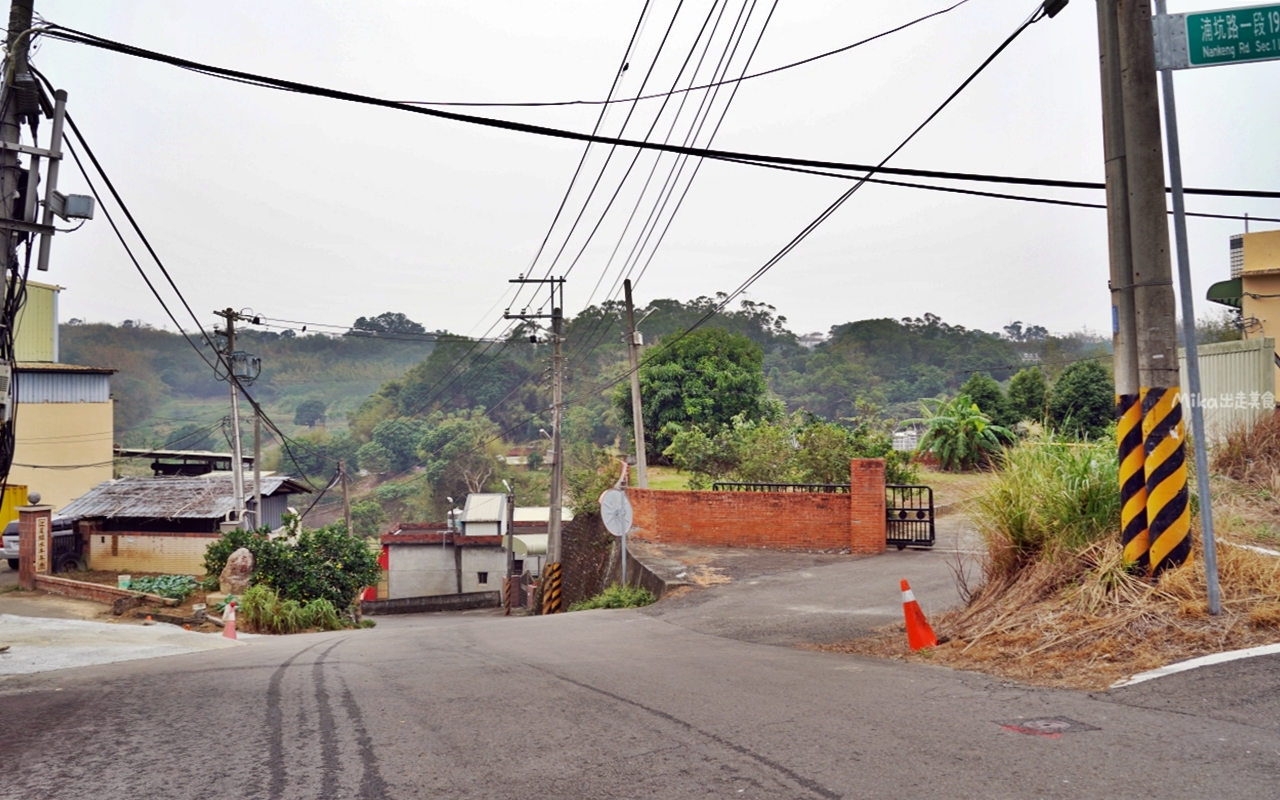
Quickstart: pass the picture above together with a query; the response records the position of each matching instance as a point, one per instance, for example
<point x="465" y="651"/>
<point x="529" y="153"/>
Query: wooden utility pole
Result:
<point x="633" y="356"/>
<point x="346" y="494"/>
<point x="1164" y="450"/>
<point x="1133" y="486"/>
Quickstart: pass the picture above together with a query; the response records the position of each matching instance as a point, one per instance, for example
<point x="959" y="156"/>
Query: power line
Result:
<point x="713" y="85"/>
<point x="830" y="209"/>
<point x="755" y="159"/>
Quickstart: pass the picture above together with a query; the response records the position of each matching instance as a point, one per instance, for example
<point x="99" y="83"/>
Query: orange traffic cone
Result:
<point x="229" y="629"/>
<point x="919" y="634"/>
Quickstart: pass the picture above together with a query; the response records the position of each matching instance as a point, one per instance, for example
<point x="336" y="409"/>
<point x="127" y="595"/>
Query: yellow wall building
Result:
<point x="1254" y="287"/>
<point x="63" y="430"/>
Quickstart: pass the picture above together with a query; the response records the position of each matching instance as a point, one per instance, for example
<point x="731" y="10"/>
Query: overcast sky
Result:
<point x="311" y="209"/>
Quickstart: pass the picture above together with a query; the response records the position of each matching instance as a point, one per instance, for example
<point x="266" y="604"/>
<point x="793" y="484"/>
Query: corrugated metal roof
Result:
<point x="50" y="366"/>
<point x="485" y="508"/>
<point x="540" y="514"/>
<point x="203" y="497"/>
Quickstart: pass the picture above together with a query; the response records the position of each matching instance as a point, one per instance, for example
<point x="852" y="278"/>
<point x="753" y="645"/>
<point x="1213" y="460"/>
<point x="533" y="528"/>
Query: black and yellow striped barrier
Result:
<point x="1133" y="480"/>
<point x="551" y="588"/>
<point x="1165" y="465"/>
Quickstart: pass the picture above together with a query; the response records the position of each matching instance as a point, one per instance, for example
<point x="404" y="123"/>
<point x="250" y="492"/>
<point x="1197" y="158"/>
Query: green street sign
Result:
<point x="1211" y="38"/>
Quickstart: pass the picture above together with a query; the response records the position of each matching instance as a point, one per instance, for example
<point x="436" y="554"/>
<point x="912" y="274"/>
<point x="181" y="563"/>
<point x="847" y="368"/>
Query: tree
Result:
<point x="704" y="379"/>
<point x="959" y="435"/>
<point x="367" y="518"/>
<point x="1083" y="399"/>
<point x="398" y="439"/>
<point x="388" y="322"/>
<point x="310" y="412"/>
<point x="1027" y="392"/>
<point x="460" y="452"/>
<point x="985" y="392"/>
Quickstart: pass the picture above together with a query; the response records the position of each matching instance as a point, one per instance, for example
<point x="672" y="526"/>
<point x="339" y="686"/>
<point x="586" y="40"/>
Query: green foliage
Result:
<point x="263" y="610"/>
<point x="460" y="453"/>
<point x="398" y="440"/>
<point x="798" y="449"/>
<point x="1083" y="399"/>
<point x="704" y="379"/>
<point x="322" y="563"/>
<point x="367" y="518"/>
<point x="586" y="482"/>
<point x="1049" y="494"/>
<point x="617" y="597"/>
<point x="310" y="412"/>
<point x="174" y="586"/>
<point x="1027" y="394"/>
<point x="190" y="437"/>
<point x="388" y="322"/>
<point x="987" y="396"/>
<point x="959" y="435"/>
<point x="318" y="451"/>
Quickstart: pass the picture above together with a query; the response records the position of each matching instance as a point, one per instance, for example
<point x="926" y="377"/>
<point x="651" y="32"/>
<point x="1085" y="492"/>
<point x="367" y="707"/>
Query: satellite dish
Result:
<point x="615" y="510"/>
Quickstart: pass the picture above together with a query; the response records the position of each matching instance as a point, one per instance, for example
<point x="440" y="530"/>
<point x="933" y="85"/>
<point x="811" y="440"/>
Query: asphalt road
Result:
<point x="615" y="704"/>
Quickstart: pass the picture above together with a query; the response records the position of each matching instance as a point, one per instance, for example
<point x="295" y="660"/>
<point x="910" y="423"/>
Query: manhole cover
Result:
<point x="1046" y="726"/>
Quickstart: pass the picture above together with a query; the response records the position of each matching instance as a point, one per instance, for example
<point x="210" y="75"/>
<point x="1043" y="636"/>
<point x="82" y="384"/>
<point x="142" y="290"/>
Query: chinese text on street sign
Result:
<point x="1210" y="38"/>
<point x="42" y="545"/>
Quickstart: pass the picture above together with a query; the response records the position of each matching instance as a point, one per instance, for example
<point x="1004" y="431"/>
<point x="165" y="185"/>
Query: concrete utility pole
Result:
<point x="257" y="470"/>
<point x="1164" y="457"/>
<point x="17" y="79"/>
<point x="551" y="573"/>
<point x="633" y="355"/>
<point x="237" y="458"/>
<point x="1133" y="486"/>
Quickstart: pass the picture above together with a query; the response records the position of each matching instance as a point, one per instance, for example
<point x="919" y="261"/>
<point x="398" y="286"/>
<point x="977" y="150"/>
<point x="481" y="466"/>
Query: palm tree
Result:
<point x="958" y="434"/>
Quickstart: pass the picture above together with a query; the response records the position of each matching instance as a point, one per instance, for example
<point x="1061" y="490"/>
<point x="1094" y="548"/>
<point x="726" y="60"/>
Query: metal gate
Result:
<point x="909" y="516"/>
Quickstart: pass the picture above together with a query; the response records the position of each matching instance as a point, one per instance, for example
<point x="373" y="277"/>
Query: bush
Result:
<point x="959" y="435"/>
<point x="326" y="563"/>
<point x="617" y="597"/>
<point x="1049" y="495"/>
<point x="264" y="611"/>
<point x="1083" y="400"/>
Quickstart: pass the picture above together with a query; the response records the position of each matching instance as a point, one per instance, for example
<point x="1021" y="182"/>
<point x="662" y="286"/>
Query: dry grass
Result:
<point x="1081" y="621"/>
<point x="1252" y="455"/>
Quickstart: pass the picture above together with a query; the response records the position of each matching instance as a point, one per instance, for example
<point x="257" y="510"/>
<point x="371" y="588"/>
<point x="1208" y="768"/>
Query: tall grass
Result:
<point x="1050" y="494"/>
<point x="262" y="610"/>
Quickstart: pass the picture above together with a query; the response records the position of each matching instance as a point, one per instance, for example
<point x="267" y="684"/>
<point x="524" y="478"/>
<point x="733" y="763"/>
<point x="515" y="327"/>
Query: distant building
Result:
<point x="64" y="425"/>
<point x="812" y="340"/>
<point x="1254" y="287"/>
<point x="164" y="524"/>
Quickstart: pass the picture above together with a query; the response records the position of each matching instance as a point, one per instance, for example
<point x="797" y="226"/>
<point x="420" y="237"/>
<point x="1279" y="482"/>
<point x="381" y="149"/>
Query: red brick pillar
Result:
<point x="35" y="544"/>
<point x="866" y="505"/>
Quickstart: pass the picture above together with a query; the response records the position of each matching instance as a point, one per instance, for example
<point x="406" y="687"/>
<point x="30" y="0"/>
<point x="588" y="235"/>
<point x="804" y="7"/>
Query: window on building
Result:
<point x="519" y="566"/>
<point x="482" y="578"/>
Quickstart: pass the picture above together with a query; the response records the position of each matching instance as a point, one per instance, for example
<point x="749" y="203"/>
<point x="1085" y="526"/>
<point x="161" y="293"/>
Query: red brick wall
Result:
<point x="99" y="593"/>
<point x="782" y="520"/>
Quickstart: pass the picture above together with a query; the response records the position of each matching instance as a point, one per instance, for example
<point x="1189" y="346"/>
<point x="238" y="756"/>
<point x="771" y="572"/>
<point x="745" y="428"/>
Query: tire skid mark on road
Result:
<point x="807" y="783"/>
<point x="275" y="726"/>
<point x="372" y="785"/>
<point x="328" y="725"/>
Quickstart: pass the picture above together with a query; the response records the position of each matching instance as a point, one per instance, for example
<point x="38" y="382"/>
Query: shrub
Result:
<point x="262" y="609"/>
<point x="323" y="563"/>
<point x="1083" y="399"/>
<point x="1049" y="495"/>
<point x="617" y="597"/>
<point x="959" y="435"/>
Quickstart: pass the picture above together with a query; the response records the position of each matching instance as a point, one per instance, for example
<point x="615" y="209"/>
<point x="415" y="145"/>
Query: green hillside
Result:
<point x="162" y="384"/>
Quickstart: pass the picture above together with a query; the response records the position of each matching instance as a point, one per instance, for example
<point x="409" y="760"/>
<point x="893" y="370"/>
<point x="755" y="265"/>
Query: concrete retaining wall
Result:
<point x="415" y="605"/>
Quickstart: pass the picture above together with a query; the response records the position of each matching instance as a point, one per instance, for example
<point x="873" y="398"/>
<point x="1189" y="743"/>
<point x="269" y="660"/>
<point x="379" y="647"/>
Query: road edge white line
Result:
<point x="1196" y="663"/>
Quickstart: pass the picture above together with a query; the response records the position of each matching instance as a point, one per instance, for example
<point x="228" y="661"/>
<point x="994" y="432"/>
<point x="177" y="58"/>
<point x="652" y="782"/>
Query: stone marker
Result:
<point x="237" y="573"/>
